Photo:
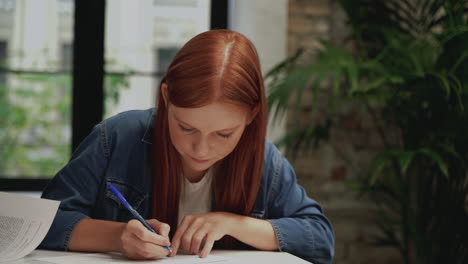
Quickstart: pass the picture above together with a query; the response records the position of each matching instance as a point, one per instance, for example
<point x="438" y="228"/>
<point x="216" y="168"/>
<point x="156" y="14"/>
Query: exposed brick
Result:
<point x="365" y="254"/>
<point x="375" y="140"/>
<point x="317" y="11"/>
<point x="292" y="7"/>
<point x="302" y="25"/>
<point x="322" y="171"/>
<point x="312" y="43"/>
<point x="341" y="249"/>
<point x="317" y="8"/>
<point x="293" y="44"/>
<point x="338" y="173"/>
<point x="351" y="122"/>
<point x="346" y="231"/>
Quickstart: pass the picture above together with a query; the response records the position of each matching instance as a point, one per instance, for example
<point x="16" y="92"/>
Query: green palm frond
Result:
<point x="408" y="70"/>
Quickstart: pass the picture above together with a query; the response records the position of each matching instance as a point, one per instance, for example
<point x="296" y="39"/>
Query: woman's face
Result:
<point x="205" y="135"/>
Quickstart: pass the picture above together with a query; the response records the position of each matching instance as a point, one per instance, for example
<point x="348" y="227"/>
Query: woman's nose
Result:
<point x="201" y="148"/>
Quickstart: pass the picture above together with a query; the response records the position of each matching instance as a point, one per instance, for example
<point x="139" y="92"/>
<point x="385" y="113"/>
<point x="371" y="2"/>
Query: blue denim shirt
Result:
<point x="118" y="151"/>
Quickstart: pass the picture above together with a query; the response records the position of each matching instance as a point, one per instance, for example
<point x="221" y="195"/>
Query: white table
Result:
<point x="234" y="256"/>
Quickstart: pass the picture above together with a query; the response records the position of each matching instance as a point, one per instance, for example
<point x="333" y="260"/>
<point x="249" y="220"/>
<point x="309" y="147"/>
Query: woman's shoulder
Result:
<point x="276" y="168"/>
<point x="130" y="116"/>
<point x="129" y="123"/>
<point x="273" y="161"/>
<point x="272" y="153"/>
<point x="130" y="120"/>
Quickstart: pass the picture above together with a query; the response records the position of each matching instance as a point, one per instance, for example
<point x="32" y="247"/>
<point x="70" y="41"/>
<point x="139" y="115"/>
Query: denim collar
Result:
<point x="148" y="136"/>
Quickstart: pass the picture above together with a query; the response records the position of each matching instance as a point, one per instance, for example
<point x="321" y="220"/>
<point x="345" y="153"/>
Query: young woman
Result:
<point x="198" y="168"/>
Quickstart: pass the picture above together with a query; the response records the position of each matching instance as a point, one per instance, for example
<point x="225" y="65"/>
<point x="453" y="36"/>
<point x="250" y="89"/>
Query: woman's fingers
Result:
<point x="183" y="235"/>
<point x="140" y="243"/>
<point x="200" y="231"/>
<point x="209" y="241"/>
<point x="144" y="234"/>
<point x="176" y="238"/>
<point x="197" y="240"/>
<point x="160" y="227"/>
<point x="195" y="224"/>
<point x="138" y="249"/>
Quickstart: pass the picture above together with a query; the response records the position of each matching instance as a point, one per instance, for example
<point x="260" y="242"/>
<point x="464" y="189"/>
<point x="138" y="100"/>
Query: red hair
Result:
<point x="217" y="65"/>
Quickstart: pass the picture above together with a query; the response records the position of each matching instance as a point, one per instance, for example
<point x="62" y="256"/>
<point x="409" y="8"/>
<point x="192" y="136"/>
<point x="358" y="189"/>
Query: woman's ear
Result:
<point x="164" y="92"/>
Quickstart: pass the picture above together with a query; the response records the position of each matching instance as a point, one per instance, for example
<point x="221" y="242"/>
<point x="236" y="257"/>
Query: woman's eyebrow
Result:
<point x="222" y="130"/>
<point x="180" y="121"/>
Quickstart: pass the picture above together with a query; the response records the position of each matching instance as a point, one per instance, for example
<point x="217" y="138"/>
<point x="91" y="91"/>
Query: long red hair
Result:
<point x="214" y="65"/>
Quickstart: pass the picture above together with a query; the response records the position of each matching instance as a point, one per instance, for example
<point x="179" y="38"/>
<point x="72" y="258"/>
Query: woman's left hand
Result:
<point x="207" y="228"/>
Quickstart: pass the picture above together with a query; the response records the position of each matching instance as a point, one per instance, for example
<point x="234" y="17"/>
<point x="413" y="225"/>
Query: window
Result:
<point x="7" y="5"/>
<point x="3" y="59"/>
<point x="35" y="127"/>
<point x="66" y="57"/>
<point x="164" y="57"/>
<point x="134" y="31"/>
<point x="37" y="132"/>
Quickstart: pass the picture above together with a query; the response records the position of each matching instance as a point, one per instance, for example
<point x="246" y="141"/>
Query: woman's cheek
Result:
<point x="230" y="146"/>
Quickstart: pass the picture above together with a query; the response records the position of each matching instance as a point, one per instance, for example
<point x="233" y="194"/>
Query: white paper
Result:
<point x="24" y="222"/>
<point x="118" y="259"/>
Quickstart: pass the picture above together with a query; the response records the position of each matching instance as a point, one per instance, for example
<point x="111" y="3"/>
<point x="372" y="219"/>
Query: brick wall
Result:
<point x="324" y="171"/>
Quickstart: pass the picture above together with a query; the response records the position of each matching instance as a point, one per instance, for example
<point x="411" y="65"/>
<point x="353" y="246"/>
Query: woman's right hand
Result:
<point x="137" y="242"/>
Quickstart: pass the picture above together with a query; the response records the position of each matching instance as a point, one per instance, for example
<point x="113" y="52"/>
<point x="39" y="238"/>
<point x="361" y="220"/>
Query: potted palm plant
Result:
<point x="409" y="71"/>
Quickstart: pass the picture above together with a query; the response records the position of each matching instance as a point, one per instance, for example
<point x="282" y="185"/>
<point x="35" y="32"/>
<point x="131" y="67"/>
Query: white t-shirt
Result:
<point x="195" y="198"/>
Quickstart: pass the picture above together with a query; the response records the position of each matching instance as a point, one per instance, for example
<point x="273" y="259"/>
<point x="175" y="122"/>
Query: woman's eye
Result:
<point x="224" y="135"/>
<point x="185" y="129"/>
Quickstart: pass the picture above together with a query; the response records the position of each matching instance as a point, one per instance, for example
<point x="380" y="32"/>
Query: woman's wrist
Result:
<point x="117" y="245"/>
<point x="255" y="232"/>
<point x="97" y="236"/>
<point x="236" y="224"/>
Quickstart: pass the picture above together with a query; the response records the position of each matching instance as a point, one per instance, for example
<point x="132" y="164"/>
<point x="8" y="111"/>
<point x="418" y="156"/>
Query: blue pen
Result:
<point x="133" y="211"/>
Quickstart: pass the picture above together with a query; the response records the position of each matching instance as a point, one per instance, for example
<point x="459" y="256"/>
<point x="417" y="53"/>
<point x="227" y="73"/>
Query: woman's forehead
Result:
<point x="214" y="116"/>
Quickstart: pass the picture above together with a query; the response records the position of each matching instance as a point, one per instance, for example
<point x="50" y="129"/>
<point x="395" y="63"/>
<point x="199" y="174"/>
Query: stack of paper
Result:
<point x="24" y="222"/>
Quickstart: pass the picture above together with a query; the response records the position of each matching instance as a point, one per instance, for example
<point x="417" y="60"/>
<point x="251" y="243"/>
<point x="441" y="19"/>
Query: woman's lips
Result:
<point x="198" y="160"/>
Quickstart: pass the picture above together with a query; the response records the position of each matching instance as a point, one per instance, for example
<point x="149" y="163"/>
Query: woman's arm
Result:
<point x="210" y="227"/>
<point x="300" y="225"/>
<point x="131" y="239"/>
<point x="76" y="185"/>
<point x="257" y="233"/>
<point x="96" y="236"/>
<point x="293" y="222"/>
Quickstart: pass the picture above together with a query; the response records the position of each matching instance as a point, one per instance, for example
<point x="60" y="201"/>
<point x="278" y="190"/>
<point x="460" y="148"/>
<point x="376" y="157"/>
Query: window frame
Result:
<point x="88" y="102"/>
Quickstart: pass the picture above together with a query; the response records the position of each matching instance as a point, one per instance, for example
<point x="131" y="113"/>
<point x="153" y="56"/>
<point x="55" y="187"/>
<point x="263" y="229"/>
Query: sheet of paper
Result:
<point x="24" y="222"/>
<point x="119" y="259"/>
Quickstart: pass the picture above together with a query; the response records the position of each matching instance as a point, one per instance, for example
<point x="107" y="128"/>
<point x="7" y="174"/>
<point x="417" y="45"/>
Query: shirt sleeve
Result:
<point x="76" y="186"/>
<point x="298" y="221"/>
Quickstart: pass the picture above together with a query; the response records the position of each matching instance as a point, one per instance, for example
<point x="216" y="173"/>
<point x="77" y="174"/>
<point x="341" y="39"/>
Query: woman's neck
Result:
<point x="194" y="176"/>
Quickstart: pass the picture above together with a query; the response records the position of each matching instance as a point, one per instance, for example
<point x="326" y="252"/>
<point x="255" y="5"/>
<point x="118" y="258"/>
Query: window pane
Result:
<point x="142" y="37"/>
<point x="35" y="86"/>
